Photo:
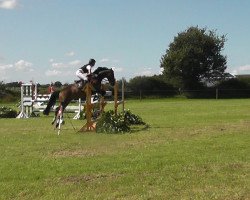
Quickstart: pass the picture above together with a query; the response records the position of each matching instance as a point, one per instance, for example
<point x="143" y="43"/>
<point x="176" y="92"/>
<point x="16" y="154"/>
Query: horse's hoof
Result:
<point x="45" y="113"/>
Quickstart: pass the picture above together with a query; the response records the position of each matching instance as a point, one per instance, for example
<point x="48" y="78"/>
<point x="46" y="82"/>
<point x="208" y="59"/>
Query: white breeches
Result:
<point x="81" y="75"/>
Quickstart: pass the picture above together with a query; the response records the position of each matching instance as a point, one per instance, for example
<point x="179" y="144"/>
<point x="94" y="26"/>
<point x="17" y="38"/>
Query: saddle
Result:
<point x="80" y="83"/>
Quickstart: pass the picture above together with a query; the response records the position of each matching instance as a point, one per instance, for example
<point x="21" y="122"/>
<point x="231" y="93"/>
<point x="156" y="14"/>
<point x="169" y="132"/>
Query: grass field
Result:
<point x="194" y="149"/>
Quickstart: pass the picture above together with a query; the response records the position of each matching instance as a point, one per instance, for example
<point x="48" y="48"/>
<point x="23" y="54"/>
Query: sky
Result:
<point x="48" y="40"/>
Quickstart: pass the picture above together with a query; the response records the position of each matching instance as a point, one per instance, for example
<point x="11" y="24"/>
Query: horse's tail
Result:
<point x="52" y="101"/>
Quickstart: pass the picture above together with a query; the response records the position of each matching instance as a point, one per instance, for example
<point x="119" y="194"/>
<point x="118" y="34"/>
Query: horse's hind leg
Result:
<point x="58" y="117"/>
<point x="55" y="117"/>
<point x="59" y="125"/>
<point x="58" y="120"/>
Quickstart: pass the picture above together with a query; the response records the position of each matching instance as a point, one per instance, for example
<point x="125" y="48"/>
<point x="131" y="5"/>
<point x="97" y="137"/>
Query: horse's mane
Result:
<point x="100" y="69"/>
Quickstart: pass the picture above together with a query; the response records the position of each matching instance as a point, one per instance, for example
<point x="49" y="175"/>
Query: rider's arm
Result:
<point x="89" y="69"/>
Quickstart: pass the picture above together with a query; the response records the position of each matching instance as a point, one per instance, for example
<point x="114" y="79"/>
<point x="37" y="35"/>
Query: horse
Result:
<point x="67" y="94"/>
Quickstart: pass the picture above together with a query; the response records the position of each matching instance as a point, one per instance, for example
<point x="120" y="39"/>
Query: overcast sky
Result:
<point x="48" y="40"/>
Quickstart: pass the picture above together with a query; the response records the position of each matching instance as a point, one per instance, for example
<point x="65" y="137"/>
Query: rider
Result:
<point x="51" y="88"/>
<point x="84" y="72"/>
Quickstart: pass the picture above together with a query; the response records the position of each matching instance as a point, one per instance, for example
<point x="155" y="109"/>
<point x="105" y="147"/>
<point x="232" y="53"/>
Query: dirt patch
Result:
<point x="74" y="153"/>
<point x="88" y="178"/>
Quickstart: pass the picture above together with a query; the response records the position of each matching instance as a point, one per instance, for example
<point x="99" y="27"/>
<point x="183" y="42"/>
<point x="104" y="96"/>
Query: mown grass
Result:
<point x="194" y="149"/>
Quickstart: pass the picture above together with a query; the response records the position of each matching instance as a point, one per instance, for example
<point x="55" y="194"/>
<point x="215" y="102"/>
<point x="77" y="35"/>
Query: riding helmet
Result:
<point x="92" y="62"/>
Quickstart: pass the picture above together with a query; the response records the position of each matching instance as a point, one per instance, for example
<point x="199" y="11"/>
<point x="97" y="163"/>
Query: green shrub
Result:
<point x="132" y="118"/>
<point x="6" y="112"/>
<point x="120" y="123"/>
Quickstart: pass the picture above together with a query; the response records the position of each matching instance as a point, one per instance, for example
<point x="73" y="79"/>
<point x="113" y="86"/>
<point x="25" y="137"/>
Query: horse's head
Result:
<point x="103" y="72"/>
<point x="111" y="77"/>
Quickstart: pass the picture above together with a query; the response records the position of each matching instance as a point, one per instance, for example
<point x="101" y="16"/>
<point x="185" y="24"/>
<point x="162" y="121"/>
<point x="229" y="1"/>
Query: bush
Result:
<point x="9" y="96"/>
<point x="120" y="123"/>
<point x="6" y="112"/>
<point x="154" y="86"/>
<point x="233" y="88"/>
<point x="133" y="119"/>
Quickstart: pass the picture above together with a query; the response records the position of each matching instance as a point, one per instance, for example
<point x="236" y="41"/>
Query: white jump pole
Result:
<point x="26" y="101"/>
<point x="116" y="101"/>
<point x="78" y="114"/>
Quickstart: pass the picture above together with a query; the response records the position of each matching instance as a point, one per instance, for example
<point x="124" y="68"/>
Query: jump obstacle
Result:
<point x="26" y="100"/>
<point x="90" y="125"/>
<point x="32" y="102"/>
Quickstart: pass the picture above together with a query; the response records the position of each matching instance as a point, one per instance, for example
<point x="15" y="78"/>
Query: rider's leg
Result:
<point x="82" y="77"/>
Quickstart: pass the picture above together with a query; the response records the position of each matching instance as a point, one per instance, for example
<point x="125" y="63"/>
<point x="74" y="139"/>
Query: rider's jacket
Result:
<point x="85" y="68"/>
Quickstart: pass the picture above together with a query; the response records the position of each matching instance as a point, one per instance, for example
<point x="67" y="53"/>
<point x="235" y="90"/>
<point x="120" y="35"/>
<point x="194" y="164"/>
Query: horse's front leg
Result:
<point x="98" y="93"/>
<point x="102" y="92"/>
<point x="100" y="89"/>
<point x="53" y="121"/>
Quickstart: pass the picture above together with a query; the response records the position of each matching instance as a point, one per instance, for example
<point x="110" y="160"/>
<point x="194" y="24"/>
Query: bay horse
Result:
<point x="67" y="94"/>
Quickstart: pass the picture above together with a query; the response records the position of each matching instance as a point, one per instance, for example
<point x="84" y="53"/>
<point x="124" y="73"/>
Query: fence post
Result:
<point x="123" y="97"/>
<point x="116" y="97"/>
<point x="217" y="93"/>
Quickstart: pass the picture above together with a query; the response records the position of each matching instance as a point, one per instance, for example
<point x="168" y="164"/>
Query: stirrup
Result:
<point x="96" y="97"/>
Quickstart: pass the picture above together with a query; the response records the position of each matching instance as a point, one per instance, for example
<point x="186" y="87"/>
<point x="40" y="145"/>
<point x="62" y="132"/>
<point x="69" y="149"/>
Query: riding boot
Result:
<point x="80" y="84"/>
<point x="96" y="97"/>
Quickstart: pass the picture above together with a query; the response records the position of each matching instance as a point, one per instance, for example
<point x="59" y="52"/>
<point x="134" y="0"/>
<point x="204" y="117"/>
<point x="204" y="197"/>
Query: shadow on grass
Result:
<point x="138" y="128"/>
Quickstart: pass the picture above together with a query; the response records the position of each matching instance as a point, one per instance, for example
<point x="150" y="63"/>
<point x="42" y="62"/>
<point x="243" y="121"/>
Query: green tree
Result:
<point x="58" y="84"/>
<point x="194" y="57"/>
<point x="2" y="88"/>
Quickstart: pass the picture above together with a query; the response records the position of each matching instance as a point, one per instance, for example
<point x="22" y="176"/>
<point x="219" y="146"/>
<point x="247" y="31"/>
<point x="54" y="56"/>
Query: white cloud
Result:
<point x="3" y="71"/>
<point x="61" y="65"/>
<point x="146" y="73"/>
<point x="117" y="69"/>
<point x="143" y="73"/>
<point x="69" y="74"/>
<point x="20" y="65"/>
<point x="52" y="72"/>
<point x="161" y="70"/>
<point x="75" y="63"/>
<point x="58" y="65"/>
<point x="234" y="72"/>
<point x="104" y="60"/>
<point x="8" y="4"/>
<point x="5" y="67"/>
<point x="23" y="65"/>
<point x="20" y="70"/>
<point x="245" y="69"/>
<point x="51" y="60"/>
<point x="71" y="53"/>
